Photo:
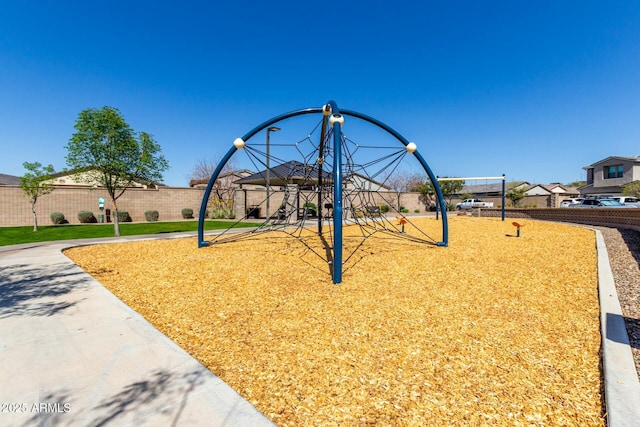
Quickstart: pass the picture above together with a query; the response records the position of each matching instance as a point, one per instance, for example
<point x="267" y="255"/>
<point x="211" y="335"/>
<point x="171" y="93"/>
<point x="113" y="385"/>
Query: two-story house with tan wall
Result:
<point x="608" y="176"/>
<point x="88" y="178"/>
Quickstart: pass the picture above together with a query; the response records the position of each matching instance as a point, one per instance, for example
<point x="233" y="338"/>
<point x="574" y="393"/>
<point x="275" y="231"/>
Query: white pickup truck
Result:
<point x="473" y="203"/>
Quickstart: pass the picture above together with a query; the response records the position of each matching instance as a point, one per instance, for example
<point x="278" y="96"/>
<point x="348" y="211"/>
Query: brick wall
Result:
<point x="169" y="202"/>
<point x="15" y="209"/>
<point x="549" y="201"/>
<point x="625" y="217"/>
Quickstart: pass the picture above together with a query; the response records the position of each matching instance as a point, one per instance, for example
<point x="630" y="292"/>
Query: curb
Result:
<point x="621" y="384"/>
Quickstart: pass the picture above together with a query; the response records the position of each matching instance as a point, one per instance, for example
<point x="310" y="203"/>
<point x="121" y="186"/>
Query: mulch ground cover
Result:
<point x="492" y="330"/>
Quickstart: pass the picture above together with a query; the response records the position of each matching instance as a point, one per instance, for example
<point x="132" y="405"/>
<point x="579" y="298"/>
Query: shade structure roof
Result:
<point x="289" y="173"/>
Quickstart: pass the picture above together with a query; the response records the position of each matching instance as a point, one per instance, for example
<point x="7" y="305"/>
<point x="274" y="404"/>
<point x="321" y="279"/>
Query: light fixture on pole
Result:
<point x="269" y="130"/>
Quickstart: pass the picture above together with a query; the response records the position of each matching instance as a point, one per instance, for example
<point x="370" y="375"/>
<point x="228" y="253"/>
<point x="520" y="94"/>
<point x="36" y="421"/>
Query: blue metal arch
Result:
<point x="423" y="162"/>
<point x="337" y="179"/>
<point x="227" y="157"/>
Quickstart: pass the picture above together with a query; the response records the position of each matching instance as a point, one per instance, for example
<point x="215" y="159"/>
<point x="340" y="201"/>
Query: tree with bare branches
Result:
<point x="403" y="182"/>
<point x="221" y="202"/>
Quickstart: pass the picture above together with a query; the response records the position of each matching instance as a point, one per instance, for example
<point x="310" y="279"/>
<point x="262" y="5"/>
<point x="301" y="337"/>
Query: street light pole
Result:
<point x="269" y="130"/>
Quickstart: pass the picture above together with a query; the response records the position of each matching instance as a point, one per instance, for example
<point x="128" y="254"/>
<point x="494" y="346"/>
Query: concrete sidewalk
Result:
<point x="72" y="354"/>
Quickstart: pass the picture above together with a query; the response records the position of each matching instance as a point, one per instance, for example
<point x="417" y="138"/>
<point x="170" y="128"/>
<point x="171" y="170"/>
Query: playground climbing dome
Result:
<point x="325" y="182"/>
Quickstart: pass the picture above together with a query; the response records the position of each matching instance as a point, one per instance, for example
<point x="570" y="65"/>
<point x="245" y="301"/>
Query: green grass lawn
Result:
<point x="46" y="233"/>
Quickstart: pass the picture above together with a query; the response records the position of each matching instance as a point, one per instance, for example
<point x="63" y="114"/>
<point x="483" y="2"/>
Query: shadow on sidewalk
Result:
<point x="135" y="402"/>
<point x="29" y="291"/>
<point x="52" y="409"/>
<point x="625" y="335"/>
<point x="162" y="389"/>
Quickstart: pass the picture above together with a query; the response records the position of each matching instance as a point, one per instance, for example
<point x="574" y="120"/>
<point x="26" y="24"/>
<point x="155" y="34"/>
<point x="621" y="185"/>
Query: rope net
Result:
<point x="299" y="199"/>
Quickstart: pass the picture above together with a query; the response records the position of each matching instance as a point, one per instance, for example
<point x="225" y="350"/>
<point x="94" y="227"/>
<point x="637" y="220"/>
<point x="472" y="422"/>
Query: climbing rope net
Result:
<point x="298" y="197"/>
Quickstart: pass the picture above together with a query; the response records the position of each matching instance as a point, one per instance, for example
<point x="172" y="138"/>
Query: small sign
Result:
<point x="101" y="202"/>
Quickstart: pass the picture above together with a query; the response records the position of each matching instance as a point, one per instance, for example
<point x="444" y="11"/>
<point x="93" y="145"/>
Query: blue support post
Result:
<point x="336" y="121"/>
<point x="437" y="203"/>
<point x="503" y="198"/>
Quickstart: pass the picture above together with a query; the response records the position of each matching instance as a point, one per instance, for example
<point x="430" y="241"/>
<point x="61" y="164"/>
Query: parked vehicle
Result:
<point x="572" y="201"/>
<point x="600" y="203"/>
<point x="473" y="203"/>
<point x="626" y="200"/>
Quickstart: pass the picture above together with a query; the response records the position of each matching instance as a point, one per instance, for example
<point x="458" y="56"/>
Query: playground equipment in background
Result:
<point x="338" y="173"/>
<point x="518" y="227"/>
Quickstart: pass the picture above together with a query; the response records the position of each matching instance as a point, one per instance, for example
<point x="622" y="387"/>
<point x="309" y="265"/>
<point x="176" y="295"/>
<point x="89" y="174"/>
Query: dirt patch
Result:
<point x="493" y="330"/>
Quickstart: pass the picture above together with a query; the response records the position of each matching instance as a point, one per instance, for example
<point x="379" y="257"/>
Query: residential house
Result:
<point x="537" y="190"/>
<point x="551" y="189"/>
<point x="9" y="179"/>
<point x="478" y="191"/>
<point x="563" y="190"/>
<point x="87" y="178"/>
<point x="608" y="176"/>
<point x="535" y="195"/>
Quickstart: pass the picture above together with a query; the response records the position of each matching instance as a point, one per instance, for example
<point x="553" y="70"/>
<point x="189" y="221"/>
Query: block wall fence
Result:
<point x="612" y="217"/>
<point x="15" y="209"/>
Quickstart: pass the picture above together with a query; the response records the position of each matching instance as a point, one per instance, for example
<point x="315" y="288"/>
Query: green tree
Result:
<point x="515" y="194"/>
<point x="34" y="184"/>
<point x="113" y="155"/>
<point x="448" y="188"/>
<point x="427" y="194"/>
<point x="632" y="189"/>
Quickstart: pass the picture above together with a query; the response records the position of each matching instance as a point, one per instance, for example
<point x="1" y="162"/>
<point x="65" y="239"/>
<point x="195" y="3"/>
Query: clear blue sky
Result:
<point x="534" y="90"/>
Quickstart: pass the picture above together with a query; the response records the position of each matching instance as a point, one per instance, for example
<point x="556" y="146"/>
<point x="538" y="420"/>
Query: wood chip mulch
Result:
<point x="493" y="330"/>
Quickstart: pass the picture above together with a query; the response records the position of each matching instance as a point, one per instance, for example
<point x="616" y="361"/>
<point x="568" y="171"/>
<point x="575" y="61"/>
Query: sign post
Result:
<point x="101" y="207"/>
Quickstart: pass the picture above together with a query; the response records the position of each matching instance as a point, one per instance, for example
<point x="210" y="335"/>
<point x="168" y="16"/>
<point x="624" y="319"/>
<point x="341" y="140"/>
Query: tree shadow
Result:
<point x="29" y="291"/>
<point x="53" y="409"/>
<point x="632" y="240"/>
<point x="328" y="252"/>
<point x="162" y="389"/>
<point x="633" y="330"/>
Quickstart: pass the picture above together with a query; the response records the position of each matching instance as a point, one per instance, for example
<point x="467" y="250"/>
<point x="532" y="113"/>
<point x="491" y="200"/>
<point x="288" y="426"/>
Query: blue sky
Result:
<point x="534" y="90"/>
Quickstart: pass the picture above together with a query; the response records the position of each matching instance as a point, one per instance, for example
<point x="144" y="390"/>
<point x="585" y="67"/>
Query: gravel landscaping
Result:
<point x="623" y="246"/>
